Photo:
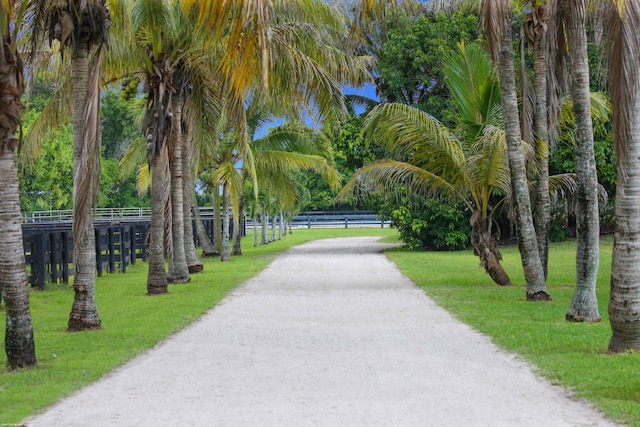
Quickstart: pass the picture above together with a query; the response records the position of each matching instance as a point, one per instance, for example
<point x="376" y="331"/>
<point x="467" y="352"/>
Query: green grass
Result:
<point x="574" y="355"/>
<point x="131" y="322"/>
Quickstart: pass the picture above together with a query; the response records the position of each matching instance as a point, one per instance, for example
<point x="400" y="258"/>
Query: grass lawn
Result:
<point x="131" y="322"/>
<point x="574" y="355"/>
<point x="570" y="354"/>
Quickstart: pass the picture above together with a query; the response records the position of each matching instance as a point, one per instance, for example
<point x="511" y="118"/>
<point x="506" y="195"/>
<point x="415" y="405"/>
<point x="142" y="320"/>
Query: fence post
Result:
<point x="132" y="237"/>
<point x="55" y="243"/>
<point x="308" y="222"/>
<point x="98" y="252"/>
<point x="346" y="223"/>
<point x="41" y="266"/>
<point x="112" y="249"/>
<point x="66" y="255"/>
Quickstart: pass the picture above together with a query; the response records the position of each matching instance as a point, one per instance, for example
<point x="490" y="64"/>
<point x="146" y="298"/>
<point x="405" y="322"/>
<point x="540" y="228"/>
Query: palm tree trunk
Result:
<point x="283" y="226"/>
<point x="19" y="343"/>
<point x="486" y="247"/>
<point x="217" y="221"/>
<point x="584" y="305"/>
<point x="542" y="214"/>
<point x="264" y="222"/>
<point x="624" y="301"/>
<point x="194" y="264"/>
<point x="273" y="228"/>
<point x="255" y="230"/>
<point x="533" y="271"/>
<point x="84" y="312"/>
<point x="178" y="269"/>
<point x="157" y="277"/>
<point x="207" y="247"/>
<point x="226" y="203"/>
<point x="237" y="226"/>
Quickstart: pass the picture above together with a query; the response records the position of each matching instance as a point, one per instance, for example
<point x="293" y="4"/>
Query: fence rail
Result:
<point x="108" y="214"/>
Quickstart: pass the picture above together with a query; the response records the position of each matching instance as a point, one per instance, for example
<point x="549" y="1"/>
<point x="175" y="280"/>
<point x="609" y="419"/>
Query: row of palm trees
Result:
<point x="433" y="159"/>
<point x="210" y="70"/>
<point x="202" y="65"/>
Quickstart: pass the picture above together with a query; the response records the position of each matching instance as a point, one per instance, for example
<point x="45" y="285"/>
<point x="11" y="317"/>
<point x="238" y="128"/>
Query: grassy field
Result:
<point x="131" y="322"/>
<point x="574" y="355"/>
<point x="570" y="354"/>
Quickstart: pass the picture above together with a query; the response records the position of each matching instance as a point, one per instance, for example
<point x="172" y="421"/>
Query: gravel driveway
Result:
<point x="330" y="334"/>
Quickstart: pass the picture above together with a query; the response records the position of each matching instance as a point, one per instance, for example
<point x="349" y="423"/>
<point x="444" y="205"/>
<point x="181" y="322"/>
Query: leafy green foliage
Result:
<point x="48" y="184"/>
<point x="438" y="224"/>
<point x="410" y="65"/>
<point x="119" y="126"/>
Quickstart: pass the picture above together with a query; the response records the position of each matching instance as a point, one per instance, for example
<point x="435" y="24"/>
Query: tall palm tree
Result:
<point x="535" y="33"/>
<point x="622" y="23"/>
<point x="496" y="16"/>
<point x="189" y="203"/>
<point x="151" y="24"/>
<point x="82" y="26"/>
<point x="573" y="19"/>
<point x="19" y="342"/>
<point x="171" y="53"/>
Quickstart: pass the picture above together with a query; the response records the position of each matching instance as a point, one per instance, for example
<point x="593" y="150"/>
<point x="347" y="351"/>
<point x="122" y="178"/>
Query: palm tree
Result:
<point x="584" y="305"/>
<point x="19" y="342"/>
<point x="81" y="26"/>
<point x="622" y="21"/>
<point x="433" y="160"/>
<point x="151" y="21"/>
<point x="189" y="203"/>
<point x="174" y="59"/>
<point x="178" y="268"/>
<point x="496" y="16"/>
<point x="535" y="33"/>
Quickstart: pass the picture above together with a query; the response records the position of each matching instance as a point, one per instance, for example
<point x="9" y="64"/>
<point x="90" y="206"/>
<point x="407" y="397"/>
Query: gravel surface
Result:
<point x="330" y="334"/>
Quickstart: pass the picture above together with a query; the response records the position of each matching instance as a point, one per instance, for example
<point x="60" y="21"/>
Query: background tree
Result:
<point x="409" y="69"/>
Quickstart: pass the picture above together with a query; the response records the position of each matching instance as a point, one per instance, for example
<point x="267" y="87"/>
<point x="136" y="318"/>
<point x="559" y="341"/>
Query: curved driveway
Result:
<point x="330" y="334"/>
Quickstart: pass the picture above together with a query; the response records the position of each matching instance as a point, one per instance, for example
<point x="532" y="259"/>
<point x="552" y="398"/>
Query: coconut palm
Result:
<point x="496" y="16"/>
<point x="622" y="22"/>
<point x="535" y="35"/>
<point x="152" y="22"/>
<point x="433" y="160"/>
<point x="19" y="342"/>
<point x="571" y="18"/>
<point x="81" y="27"/>
<point x="173" y="59"/>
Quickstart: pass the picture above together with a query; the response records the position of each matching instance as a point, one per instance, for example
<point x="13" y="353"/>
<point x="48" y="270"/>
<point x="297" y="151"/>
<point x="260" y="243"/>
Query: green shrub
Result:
<point x="430" y="223"/>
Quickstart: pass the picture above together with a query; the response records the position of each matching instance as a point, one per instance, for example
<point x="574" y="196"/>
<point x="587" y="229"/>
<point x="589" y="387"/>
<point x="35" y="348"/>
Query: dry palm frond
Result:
<point x="495" y="16"/>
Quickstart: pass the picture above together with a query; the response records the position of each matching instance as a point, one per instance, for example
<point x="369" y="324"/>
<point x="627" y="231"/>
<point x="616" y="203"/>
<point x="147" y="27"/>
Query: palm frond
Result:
<point x="495" y="16"/>
<point x="54" y="114"/>
<point x="389" y="175"/>
<point x="489" y="166"/>
<point x="416" y="135"/>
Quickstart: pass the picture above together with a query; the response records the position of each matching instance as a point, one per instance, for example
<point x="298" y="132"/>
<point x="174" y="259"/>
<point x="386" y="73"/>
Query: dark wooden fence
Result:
<point x="122" y="239"/>
<point x="48" y="248"/>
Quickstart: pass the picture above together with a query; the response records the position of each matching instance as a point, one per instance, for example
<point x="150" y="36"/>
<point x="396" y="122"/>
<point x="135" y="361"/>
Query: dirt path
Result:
<point x="330" y="334"/>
